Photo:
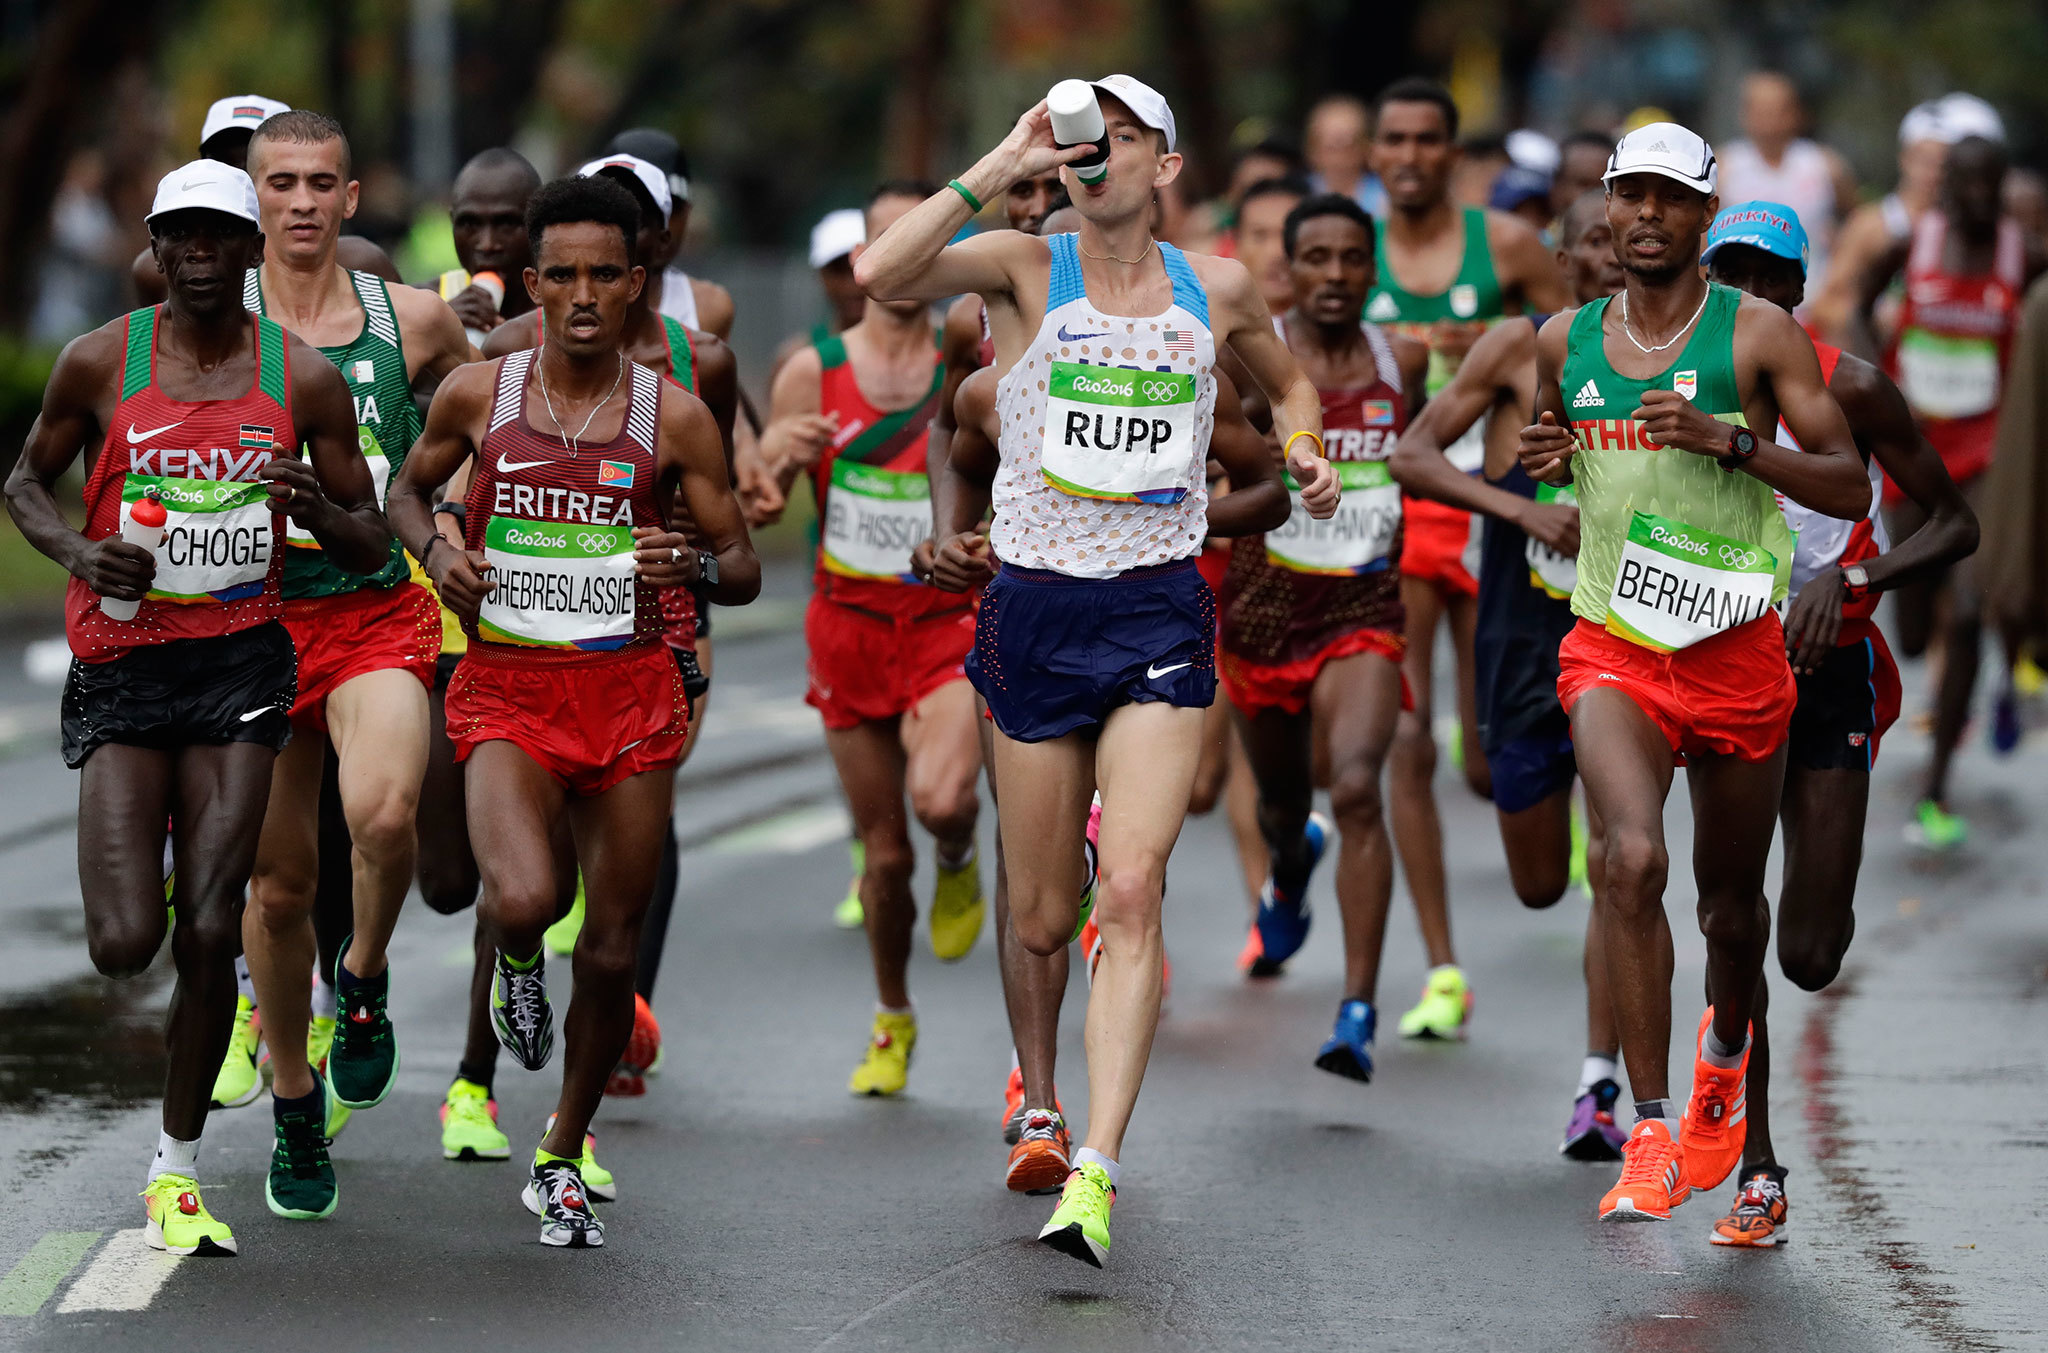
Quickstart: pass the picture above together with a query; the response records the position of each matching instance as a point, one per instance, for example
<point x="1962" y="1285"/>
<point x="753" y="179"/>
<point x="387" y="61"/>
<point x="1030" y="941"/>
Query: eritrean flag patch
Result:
<point x="258" y="436"/>
<point x="1379" y="413"/>
<point x="615" y="474"/>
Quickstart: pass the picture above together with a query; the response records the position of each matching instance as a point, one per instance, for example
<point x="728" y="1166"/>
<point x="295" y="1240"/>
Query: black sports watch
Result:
<point x="707" y="571"/>
<point x="1741" y="447"/>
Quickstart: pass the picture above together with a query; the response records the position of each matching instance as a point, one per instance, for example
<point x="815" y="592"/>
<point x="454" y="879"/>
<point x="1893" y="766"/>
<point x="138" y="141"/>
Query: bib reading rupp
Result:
<point x="1105" y="430"/>
<point x="557" y="527"/>
<point x="1954" y="339"/>
<point x="874" y="501"/>
<point x="1672" y="548"/>
<point x="387" y="424"/>
<point x="1288" y="593"/>
<point x="220" y="566"/>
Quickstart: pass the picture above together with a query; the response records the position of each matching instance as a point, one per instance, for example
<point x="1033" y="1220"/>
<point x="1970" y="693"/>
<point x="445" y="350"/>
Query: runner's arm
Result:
<point x="430" y="328"/>
<point x="959" y="346"/>
<point x="330" y="492"/>
<point x="1547" y="445"/>
<point x="514" y="335"/>
<point x="797" y="432"/>
<point x="460" y="407"/>
<point x="1247" y="327"/>
<point x="1419" y="465"/>
<point x="1859" y="332"/>
<point x="961" y="485"/>
<point x="718" y="385"/>
<point x="1883" y="423"/>
<point x="1258" y="499"/>
<point x="692" y="456"/>
<point x="148" y="279"/>
<point x="1528" y="268"/>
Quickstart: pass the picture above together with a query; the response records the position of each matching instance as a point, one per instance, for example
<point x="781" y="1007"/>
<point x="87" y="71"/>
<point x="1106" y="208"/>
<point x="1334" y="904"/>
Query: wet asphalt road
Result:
<point x="1266" y="1204"/>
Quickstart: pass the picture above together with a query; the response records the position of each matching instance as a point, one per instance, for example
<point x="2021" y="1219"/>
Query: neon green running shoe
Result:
<point x="239" y="1081"/>
<point x="1445" y="1007"/>
<point x="469" y="1124"/>
<point x="958" y="908"/>
<point x="1080" y="1224"/>
<point x="560" y="938"/>
<point x="319" y="1041"/>
<point x="1580" y="879"/>
<point x="885" y="1070"/>
<point x="179" y="1222"/>
<point x="1454" y="747"/>
<point x="596" y="1178"/>
<point x="1935" y="828"/>
<point x="849" y="914"/>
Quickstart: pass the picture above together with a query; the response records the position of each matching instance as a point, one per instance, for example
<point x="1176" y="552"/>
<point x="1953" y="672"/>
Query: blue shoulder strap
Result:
<point x="1187" y="288"/>
<point x="1065" y="284"/>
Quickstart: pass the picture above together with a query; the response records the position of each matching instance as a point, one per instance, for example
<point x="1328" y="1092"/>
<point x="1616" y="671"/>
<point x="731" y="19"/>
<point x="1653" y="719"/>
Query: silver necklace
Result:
<point x="561" y="430"/>
<point x="1682" y="332"/>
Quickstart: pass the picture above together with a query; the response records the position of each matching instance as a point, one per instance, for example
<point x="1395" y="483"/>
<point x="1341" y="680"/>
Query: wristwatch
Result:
<point x="1856" y="581"/>
<point x="1741" y="446"/>
<point x="707" y="571"/>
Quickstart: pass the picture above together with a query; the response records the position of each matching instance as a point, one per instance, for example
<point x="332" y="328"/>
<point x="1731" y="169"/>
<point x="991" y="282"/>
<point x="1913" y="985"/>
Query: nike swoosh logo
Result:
<point x="1066" y="337"/>
<point x="1154" y="673"/>
<point x="508" y="466"/>
<point x="256" y="713"/>
<point x="135" y="438"/>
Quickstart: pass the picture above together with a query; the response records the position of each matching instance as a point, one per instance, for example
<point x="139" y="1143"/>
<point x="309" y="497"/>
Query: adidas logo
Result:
<point x="1588" y="395"/>
<point x="1661" y="146"/>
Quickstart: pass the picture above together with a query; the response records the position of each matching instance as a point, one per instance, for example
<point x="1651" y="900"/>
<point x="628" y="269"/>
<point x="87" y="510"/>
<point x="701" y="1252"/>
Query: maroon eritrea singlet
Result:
<point x="557" y="525"/>
<point x="221" y="562"/>
<point x="1284" y="600"/>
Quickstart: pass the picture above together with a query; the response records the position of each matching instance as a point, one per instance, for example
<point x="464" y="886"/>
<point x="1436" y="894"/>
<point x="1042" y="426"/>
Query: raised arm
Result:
<point x="1239" y="318"/>
<point x="330" y="493"/>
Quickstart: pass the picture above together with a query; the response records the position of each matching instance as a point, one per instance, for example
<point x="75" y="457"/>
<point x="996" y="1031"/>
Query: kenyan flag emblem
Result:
<point x="258" y="436"/>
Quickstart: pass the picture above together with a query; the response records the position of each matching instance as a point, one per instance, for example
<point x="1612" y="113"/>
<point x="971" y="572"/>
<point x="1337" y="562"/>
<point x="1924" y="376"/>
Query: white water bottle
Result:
<point x="144" y="526"/>
<point x="1077" y="121"/>
<point x="492" y="286"/>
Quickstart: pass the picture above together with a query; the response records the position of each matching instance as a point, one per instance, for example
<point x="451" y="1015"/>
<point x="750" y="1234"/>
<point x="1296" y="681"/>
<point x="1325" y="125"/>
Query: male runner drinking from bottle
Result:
<point x="1095" y="646"/>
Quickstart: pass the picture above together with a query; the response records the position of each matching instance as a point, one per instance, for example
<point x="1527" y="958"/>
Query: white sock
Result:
<point x="881" y="1009"/>
<point x="1088" y="1154"/>
<point x="965" y="858"/>
<point x="174" y="1157"/>
<point x="1713" y="1054"/>
<point x="1016" y="1063"/>
<point x="1595" y="1069"/>
<point x="244" y="984"/>
<point x="323" y="997"/>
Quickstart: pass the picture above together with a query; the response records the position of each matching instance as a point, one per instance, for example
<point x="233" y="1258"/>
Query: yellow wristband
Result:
<point x="1288" y="449"/>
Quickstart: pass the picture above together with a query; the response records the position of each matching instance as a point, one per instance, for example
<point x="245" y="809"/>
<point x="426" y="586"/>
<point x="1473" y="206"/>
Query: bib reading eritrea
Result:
<point x="1677" y="655"/>
<point x="1095" y="643"/>
<point x="178" y="712"/>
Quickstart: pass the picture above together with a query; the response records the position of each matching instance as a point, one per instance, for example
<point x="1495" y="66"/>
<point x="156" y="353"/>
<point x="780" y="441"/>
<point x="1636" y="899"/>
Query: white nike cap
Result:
<point x="836" y="235"/>
<point x="239" y="111"/>
<point x="645" y="174"/>
<point x="1143" y="100"/>
<point x="206" y="185"/>
<point x="1964" y="115"/>
<point x="1665" y="148"/>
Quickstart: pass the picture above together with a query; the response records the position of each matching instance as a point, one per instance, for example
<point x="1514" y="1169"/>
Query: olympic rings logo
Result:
<point x="1160" y="392"/>
<point x="594" y="543"/>
<point x="1739" y="558"/>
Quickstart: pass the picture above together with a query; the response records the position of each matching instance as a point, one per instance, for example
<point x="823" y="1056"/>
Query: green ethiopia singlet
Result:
<point x="1474" y="294"/>
<point x="1672" y="548"/>
<point x="682" y="358"/>
<point x="387" y="424"/>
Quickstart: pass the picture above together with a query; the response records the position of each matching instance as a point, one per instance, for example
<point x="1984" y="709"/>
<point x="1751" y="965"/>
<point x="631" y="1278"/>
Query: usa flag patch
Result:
<point x="1179" y="340"/>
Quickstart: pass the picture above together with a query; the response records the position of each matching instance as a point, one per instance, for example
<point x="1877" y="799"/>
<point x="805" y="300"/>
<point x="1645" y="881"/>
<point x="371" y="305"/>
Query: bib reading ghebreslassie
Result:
<point x="873" y="520"/>
<point x="1947" y="377"/>
<point x="1553" y="573"/>
<point x="560" y="584"/>
<point x="298" y="537"/>
<point x="1357" y="539"/>
<point x="1119" y="434"/>
<point x="1678" y="584"/>
<point x="217" y="537"/>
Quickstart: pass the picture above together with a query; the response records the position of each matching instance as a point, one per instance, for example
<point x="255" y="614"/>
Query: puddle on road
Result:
<point x="91" y="1043"/>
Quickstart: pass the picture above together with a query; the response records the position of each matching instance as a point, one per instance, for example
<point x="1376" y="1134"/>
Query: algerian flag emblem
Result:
<point x="1464" y="300"/>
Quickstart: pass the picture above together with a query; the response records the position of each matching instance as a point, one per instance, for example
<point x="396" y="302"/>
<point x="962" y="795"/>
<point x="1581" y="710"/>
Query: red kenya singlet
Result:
<point x="222" y="557"/>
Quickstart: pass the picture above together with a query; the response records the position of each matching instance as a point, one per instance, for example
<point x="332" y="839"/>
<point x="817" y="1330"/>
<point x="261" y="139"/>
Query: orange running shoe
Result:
<point x="1013" y="1106"/>
<point x="1039" y="1162"/>
<point x="1652" y="1177"/>
<point x="1716" y="1120"/>
<point x="1091" y="948"/>
<point x="1757" y="1220"/>
<point x="629" y="1078"/>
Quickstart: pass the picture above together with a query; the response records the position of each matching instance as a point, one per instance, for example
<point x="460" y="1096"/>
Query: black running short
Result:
<point x="184" y="692"/>
<point x="695" y="680"/>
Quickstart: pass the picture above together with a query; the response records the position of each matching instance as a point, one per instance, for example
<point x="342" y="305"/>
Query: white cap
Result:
<point x="243" y="111"/>
<point x="835" y="236"/>
<point x="648" y="177"/>
<point x="1533" y="150"/>
<point x="1965" y="115"/>
<point x="1921" y="123"/>
<point x="207" y="185"/>
<point x="1665" y="148"/>
<point x="1143" y="100"/>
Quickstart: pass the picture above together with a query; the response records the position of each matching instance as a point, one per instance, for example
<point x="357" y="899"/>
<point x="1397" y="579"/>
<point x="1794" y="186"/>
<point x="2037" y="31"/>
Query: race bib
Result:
<point x="1947" y="377"/>
<point x="218" y="538"/>
<point x="873" y="520"/>
<point x="1554" y="574"/>
<point x="298" y="537"/>
<point x="1678" y="585"/>
<point x="1358" y="539"/>
<point x="1118" y="434"/>
<point x="560" y="584"/>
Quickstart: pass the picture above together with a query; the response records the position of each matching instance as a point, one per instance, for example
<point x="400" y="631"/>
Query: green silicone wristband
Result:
<point x="972" y="201"/>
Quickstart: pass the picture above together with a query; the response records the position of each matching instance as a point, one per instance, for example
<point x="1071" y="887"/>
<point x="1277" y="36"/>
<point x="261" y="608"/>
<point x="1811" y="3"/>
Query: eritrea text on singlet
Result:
<point x="387" y="424"/>
<point x="1672" y="548"/>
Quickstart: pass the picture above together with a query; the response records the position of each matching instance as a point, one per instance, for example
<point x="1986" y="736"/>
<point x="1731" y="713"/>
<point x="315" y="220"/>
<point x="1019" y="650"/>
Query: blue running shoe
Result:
<point x="1283" y="922"/>
<point x="2005" y="722"/>
<point x="1349" y="1049"/>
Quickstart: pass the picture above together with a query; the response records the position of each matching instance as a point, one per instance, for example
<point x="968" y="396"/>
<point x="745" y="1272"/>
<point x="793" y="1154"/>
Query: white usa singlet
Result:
<point x="1105" y="430"/>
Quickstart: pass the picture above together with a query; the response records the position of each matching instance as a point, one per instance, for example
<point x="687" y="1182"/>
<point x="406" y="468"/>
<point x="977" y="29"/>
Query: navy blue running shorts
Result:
<point x="1055" y="654"/>
<point x="1528" y="770"/>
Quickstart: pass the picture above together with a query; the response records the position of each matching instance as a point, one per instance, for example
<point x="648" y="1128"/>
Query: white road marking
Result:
<point x="789" y="833"/>
<point x="124" y="1276"/>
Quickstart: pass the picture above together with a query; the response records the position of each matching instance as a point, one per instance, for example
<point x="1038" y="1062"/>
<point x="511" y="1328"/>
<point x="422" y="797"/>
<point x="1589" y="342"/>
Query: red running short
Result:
<point x="341" y="638"/>
<point x="1731" y="695"/>
<point x="865" y="665"/>
<point x="1434" y="539"/>
<point x="589" y="721"/>
<point x="1255" y="687"/>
